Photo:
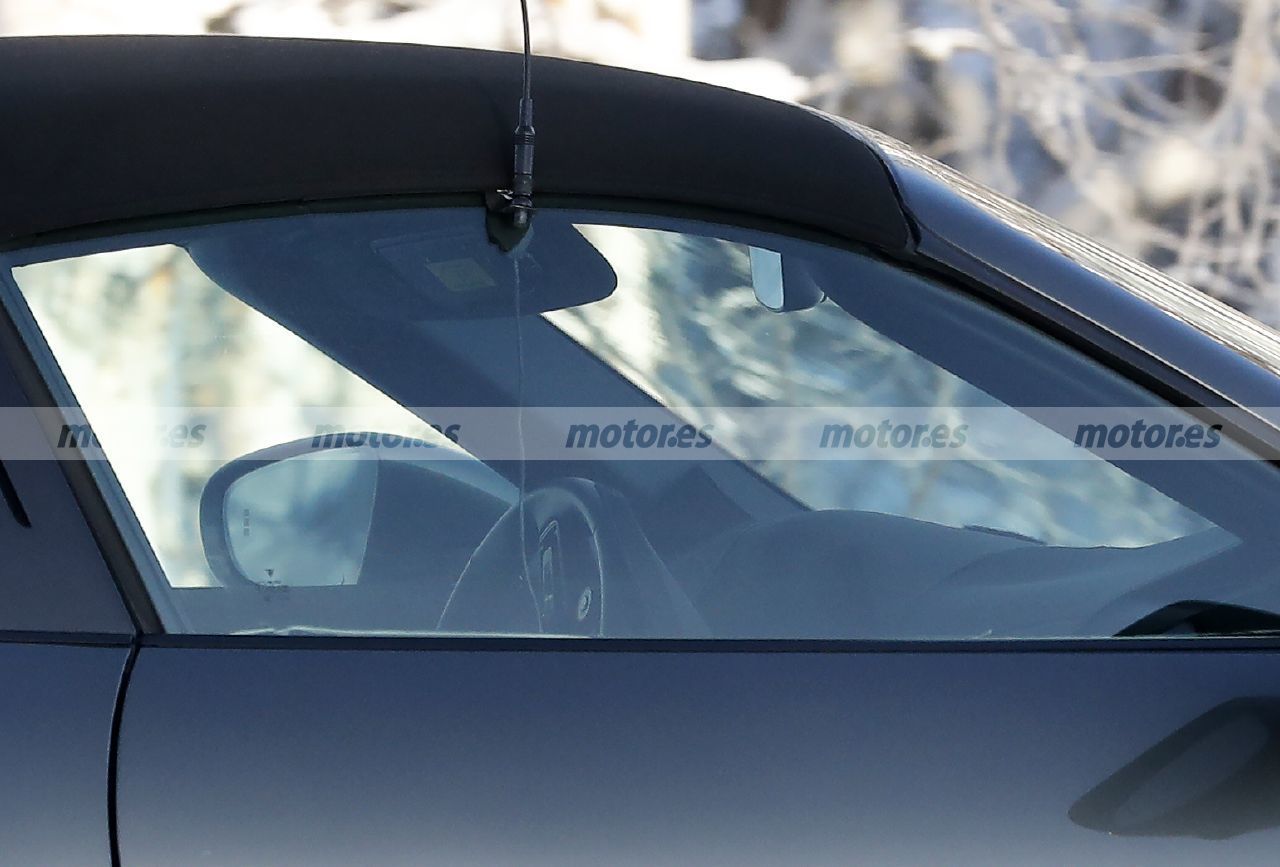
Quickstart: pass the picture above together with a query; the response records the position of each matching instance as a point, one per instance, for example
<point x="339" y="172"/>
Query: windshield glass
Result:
<point x="688" y="329"/>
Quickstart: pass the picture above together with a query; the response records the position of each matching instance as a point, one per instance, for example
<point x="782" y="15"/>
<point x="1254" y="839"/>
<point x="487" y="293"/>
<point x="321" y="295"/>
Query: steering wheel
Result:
<point x="580" y="566"/>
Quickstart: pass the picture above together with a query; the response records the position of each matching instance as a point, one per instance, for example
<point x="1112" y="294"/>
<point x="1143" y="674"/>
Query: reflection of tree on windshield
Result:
<point x="686" y="327"/>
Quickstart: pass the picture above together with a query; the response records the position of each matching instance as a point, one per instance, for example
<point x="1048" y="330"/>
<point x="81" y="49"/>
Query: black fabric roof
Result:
<point x="96" y="129"/>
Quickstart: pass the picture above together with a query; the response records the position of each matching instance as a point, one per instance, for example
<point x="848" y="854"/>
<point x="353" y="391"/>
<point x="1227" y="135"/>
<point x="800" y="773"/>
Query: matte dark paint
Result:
<point x="57" y="704"/>
<point x="233" y="121"/>
<point x="337" y="757"/>
<point x="53" y="578"/>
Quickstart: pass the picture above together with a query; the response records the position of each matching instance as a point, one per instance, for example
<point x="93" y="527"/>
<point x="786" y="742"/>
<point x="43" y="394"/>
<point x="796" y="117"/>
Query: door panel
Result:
<point x="272" y="756"/>
<point x="58" y="703"/>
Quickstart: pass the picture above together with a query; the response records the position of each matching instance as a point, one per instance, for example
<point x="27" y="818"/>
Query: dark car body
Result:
<point x="127" y="743"/>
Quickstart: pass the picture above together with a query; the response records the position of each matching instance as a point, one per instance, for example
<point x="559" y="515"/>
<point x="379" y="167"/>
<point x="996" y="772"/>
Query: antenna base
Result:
<point x="509" y="218"/>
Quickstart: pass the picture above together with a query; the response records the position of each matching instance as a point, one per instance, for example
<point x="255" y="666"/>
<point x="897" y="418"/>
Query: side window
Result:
<point x="338" y="424"/>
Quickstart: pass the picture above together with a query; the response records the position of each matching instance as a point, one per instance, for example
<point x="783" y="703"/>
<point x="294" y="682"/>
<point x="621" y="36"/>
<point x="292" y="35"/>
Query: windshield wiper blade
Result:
<point x="1202" y="617"/>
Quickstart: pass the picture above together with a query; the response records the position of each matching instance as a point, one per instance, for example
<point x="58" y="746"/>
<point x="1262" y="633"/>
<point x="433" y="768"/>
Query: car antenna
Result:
<point x="511" y="211"/>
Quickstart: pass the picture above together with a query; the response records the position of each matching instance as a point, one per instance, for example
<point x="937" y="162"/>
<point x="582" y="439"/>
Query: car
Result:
<point x="735" y="486"/>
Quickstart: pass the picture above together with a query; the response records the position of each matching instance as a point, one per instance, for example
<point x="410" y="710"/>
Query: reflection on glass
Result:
<point x="692" y="324"/>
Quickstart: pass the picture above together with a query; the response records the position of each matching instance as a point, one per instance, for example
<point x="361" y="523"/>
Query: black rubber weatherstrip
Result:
<point x="67" y="639"/>
<point x="500" y="644"/>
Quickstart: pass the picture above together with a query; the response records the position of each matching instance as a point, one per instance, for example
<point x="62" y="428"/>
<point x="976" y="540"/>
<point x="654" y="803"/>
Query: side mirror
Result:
<point x="339" y="510"/>
<point x="287" y="519"/>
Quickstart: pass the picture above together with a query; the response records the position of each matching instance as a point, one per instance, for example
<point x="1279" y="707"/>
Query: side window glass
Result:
<point x="175" y="374"/>
<point x="338" y="424"/>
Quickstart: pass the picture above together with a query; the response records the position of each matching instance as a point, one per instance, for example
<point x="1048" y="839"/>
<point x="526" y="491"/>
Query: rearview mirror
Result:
<point x="782" y="283"/>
